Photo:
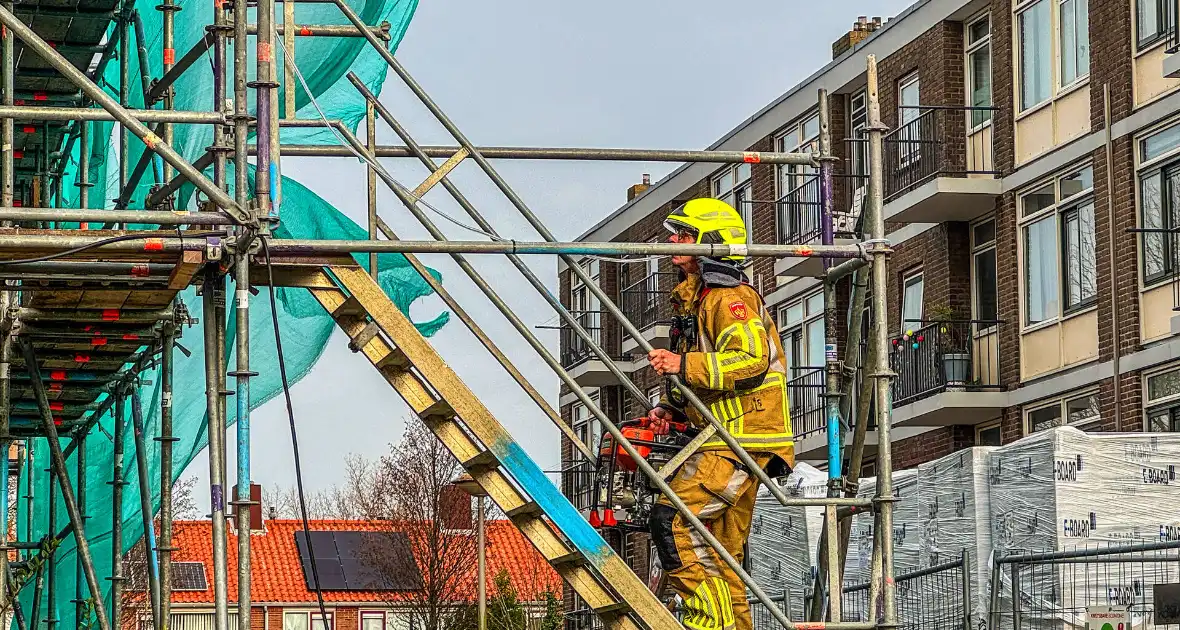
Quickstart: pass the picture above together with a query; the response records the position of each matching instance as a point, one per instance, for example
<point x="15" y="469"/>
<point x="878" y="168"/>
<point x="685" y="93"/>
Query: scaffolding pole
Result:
<point x="166" y="441"/>
<point x="564" y="153"/>
<point x="882" y="375"/>
<point x="214" y="396"/>
<point x="117" y="484"/>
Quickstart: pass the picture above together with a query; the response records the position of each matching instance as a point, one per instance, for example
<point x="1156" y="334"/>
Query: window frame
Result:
<point x="806" y="320"/>
<point x="1062" y="404"/>
<point x="906" y="278"/>
<point x="1057" y="90"/>
<point x="311" y="616"/>
<point x="970" y="48"/>
<point x="582" y="483"/>
<point x="1163" y="8"/>
<point x="988" y="426"/>
<point x="978" y="248"/>
<point x="591" y="311"/>
<point x="794" y="138"/>
<point x="1157" y="166"/>
<point x="1060" y="206"/>
<point x="731" y="194"/>
<point x="1153" y="406"/>
<point x="365" y="614"/>
<point x="1059" y="53"/>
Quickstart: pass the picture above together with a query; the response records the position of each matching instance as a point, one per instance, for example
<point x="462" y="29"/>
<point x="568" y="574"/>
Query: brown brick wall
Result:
<point x="1111" y="60"/>
<point x="943" y="253"/>
<point x="911" y="452"/>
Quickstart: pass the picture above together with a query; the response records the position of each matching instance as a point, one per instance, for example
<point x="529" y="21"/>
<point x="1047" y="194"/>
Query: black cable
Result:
<point x="274" y="316"/>
<point x="99" y="243"/>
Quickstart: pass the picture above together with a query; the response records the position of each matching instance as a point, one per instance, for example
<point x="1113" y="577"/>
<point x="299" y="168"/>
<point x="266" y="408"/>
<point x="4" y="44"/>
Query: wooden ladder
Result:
<point x="379" y="330"/>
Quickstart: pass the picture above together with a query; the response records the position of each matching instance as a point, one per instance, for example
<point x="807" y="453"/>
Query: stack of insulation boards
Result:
<point x="1064" y="490"/>
<point x="784" y="540"/>
<point x="907" y="537"/>
<point x="955" y="507"/>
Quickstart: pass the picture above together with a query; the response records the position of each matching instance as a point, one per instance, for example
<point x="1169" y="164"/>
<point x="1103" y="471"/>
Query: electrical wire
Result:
<point x="99" y="243"/>
<point x="274" y="316"/>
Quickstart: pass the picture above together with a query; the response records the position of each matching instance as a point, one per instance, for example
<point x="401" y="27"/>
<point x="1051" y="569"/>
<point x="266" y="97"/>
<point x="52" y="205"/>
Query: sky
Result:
<point x="670" y="75"/>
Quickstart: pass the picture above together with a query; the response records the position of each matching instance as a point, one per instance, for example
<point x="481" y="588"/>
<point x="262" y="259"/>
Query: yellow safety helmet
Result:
<point x="712" y="220"/>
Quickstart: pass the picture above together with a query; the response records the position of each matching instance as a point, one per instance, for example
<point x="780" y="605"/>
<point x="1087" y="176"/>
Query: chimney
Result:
<point x="454" y="508"/>
<point x="638" y="189"/>
<point x="255" y="507"/>
<point x="861" y="29"/>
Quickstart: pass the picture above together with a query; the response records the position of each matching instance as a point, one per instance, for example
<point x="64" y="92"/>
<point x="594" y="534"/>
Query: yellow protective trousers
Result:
<point x="721" y="493"/>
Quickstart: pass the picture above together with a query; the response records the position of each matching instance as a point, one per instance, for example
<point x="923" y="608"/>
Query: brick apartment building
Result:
<point x="1011" y="227"/>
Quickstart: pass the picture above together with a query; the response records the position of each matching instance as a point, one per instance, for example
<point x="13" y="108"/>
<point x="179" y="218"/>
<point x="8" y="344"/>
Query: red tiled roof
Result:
<point x="277" y="575"/>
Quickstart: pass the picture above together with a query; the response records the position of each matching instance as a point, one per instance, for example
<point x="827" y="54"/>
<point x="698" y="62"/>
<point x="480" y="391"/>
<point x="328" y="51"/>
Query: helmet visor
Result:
<point x="677" y="227"/>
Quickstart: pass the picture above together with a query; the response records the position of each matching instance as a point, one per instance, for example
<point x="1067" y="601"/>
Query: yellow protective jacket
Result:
<point x="736" y="366"/>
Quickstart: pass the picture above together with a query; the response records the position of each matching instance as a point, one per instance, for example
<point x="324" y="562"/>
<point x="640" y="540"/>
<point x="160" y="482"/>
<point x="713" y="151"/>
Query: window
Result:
<point x="306" y="621"/>
<point x="859" y="120"/>
<point x="911" y="301"/>
<point x="1036" y="54"/>
<point x="1153" y="18"/>
<point x="584" y="305"/>
<point x="802" y="326"/>
<point x="983" y="272"/>
<point x="799" y="137"/>
<point x="1059" y="281"/>
<point x="1080" y="411"/>
<point x="1162" y="399"/>
<point x="909" y="98"/>
<point x="979" y="69"/>
<point x="909" y="136"/>
<point x="988" y="435"/>
<point x="1045" y="37"/>
<point x="1075" y="40"/>
<point x="379" y="620"/>
<point x="1159" y="202"/>
<point x="588" y="428"/>
<point x="654" y="395"/>
<point x="732" y="186"/>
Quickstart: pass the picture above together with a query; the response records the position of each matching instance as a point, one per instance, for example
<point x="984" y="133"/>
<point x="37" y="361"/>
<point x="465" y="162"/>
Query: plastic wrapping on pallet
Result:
<point x="954" y="503"/>
<point x="907" y="528"/>
<point x="1063" y="490"/>
<point x="784" y="541"/>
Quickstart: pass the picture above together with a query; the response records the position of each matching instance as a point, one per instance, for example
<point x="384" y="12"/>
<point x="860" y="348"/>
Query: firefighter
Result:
<point x="726" y="349"/>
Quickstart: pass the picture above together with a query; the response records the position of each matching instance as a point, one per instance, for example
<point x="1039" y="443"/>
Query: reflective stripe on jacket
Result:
<point x="736" y="367"/>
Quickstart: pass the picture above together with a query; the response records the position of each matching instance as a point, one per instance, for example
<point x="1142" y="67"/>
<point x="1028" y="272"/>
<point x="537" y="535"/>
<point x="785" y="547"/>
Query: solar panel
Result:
<point x="327" y="561"/>
<point x="189" y="576"/>
<point x="361" y="561"/>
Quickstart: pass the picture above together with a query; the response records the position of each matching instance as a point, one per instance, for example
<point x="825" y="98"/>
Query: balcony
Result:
<point x="939" y="166"/>
<point x="646" y="303"/>
<point x="799" y="216"/>
<point x="586" y="369"/>
<point x="947" y="373"/>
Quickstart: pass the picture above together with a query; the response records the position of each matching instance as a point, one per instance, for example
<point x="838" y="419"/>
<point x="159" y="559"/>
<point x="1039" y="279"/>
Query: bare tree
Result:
<point x="415" y="478"/>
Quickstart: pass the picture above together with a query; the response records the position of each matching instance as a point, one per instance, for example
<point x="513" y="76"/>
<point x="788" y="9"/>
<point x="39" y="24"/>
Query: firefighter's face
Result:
<point x="688" y="264"/>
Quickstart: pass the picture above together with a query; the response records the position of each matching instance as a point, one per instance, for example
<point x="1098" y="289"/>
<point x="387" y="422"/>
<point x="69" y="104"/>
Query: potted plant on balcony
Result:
<point x="956" y="357"/>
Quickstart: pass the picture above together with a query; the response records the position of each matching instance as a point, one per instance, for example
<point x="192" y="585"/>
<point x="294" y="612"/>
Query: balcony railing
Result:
<point x="646" y="302"/>
<point x="933" y="357"/>
<point x="800" y="213"/>
<point x="805" y="395"/>
<point x="1169" y="10"/>
<point x="574" y="349"/>
<point x="934" y="142"/>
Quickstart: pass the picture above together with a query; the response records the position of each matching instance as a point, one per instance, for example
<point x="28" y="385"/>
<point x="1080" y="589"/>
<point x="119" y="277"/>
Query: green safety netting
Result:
<point x="306" y="327"/>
